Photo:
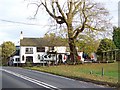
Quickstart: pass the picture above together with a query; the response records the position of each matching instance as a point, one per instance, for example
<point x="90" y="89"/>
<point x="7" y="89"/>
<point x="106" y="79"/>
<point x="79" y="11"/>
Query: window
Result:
<point x="40" y="49"/>
<point x="38" y="57"/>
<point x="29" y="59"/>
<point x="17" y="59"/>
<point x="23" y="58"/>
<point x="51" y="48"/>
<point x="12" y="59"/>
<point x="29" y="51"/>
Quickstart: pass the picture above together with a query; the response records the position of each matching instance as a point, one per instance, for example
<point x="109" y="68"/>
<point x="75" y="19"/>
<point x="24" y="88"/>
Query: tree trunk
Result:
<point x="73" y="50"/>
<point x="72" y="45"/>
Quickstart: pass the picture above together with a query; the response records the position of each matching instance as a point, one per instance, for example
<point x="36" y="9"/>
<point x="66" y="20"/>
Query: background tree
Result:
<point x="88" y="43"/>
<point x="116" y="36"/>
<point x="53" y="39"/>
<point x="106" y="44"/>
<point x="8" y="48"/>
<point x="76" y="16"/>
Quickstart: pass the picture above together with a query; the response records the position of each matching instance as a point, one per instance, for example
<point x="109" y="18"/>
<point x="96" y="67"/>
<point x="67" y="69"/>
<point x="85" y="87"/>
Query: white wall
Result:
<point x="22" y="52"/>
<point x="61" y="49"/>
<point x="14" y="58"/>
<point x="36" y="57"/>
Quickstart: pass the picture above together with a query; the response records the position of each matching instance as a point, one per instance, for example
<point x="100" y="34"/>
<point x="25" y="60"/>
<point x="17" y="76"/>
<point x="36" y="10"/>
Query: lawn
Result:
<point x="83" y="71"/>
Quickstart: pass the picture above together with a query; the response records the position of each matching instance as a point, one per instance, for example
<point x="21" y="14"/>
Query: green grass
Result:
<point x="83" y="71"/>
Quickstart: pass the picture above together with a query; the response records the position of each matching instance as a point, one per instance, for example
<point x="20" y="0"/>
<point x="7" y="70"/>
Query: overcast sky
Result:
<point x="17" y="10"/>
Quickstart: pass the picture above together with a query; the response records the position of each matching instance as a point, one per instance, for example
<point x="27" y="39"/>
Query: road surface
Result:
<point x="14" y="77"/>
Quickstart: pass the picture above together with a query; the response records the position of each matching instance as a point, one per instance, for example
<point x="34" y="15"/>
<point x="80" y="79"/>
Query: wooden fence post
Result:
<point x="102" y="71"/>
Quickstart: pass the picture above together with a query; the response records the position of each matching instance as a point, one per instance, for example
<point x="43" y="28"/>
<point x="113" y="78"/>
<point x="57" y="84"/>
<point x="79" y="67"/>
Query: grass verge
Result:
<point x="90" y="72"/>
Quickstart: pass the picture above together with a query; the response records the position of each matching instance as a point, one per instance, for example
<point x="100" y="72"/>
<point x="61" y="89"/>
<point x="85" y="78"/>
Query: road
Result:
<point x="14" y="77"/>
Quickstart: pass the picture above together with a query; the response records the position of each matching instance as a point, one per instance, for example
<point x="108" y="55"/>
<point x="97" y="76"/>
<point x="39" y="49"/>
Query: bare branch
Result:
<point x="90" y="27"/>
<point x="61" y="12"/>
<point x="80" y="30"/>
<point x="38" y="6"/>
<point x="83" y="25"/>
<point x="71" y="7"/>
<point x="53" y="8"/>
<point x="76" y="7"/>
<point x="37" y="10"/>
<point x="52" y="15"/>
<point x="91" y="6"/>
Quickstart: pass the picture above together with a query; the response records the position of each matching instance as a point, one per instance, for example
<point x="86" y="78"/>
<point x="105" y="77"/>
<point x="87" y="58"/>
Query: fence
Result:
<point x="110" y="55"/>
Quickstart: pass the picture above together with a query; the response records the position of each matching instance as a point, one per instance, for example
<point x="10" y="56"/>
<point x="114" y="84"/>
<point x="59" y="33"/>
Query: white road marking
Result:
<point x="59" y="77"/>
<point x="32" y="80"/>
<point x="64" y="78"/>
<point x="53" y="75"/>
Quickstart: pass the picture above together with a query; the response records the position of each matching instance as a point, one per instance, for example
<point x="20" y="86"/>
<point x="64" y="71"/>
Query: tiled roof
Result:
<point x="42" y="42"/>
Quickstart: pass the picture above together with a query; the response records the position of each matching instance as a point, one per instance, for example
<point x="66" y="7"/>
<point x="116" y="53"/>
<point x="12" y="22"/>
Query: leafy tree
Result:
<point x="116" y="36"/>
<point x="106" y="44"/>
<point x="8" y="48"/>
<point x="76" y="16"/>
<point x="53" y="38"/>
<point x="88" y="43"/>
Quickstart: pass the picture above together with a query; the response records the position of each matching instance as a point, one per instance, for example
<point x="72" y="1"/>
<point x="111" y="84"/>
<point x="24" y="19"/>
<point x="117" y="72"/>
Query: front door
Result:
<point x="29" y="59"/>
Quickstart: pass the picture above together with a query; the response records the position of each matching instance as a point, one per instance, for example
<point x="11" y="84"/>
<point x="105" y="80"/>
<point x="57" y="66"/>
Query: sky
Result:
<point x="20" y="11"/>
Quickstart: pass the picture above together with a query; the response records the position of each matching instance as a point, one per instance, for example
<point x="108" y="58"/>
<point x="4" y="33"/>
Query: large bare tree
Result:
<point x="77" y="16"/>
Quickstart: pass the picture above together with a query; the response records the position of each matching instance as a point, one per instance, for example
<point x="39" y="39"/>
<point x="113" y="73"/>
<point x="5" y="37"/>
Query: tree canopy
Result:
<point x="116" y="36"/>
<point x="88" y="43"/>
<point x="8" y="48"/>
<point x="76" y="16"/>
<point x="106" y="44"/>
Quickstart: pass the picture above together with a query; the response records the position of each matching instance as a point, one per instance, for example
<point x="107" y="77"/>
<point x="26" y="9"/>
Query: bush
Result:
<point x="28" y="64"/>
